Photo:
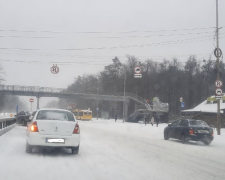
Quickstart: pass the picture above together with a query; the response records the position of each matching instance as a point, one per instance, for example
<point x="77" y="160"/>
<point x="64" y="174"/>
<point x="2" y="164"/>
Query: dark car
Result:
<point x="23" y="117"/>
<point x="189" y="129"/>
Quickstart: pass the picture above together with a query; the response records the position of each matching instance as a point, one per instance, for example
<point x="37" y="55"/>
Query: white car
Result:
<point x="53" y="128"/>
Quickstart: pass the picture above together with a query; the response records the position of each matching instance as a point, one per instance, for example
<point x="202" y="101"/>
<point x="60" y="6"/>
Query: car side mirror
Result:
<point x="30" y="118"/>
<point x="169" y="125"/>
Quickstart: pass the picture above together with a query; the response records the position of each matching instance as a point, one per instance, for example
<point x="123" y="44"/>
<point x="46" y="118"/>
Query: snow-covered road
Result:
<point x="112" y="150"/>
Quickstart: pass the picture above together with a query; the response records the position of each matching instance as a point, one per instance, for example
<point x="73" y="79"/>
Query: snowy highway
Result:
<point x="109" y="151"/>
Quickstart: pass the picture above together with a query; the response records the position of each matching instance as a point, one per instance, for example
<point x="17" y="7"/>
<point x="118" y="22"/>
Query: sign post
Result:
<point x="31" y="101"/>
<point x="218" y="54"/>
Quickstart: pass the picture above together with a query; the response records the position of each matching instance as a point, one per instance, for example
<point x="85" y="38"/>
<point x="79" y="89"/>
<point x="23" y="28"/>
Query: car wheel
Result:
<point x="183" y="139"/>
<point x="166" y="136"/>
<point x="206" y="141"/>
<point x="28" y="148"/>
<point x="75" y="150"/>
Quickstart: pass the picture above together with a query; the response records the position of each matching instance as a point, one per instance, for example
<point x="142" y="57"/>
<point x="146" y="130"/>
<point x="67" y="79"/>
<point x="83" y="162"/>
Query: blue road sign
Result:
<point x="17" y="109"/>
<point x="182" y="104"/>
<point x="97" y="109"/>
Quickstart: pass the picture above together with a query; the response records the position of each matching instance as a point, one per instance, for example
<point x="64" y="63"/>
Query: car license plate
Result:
<point x="203" y="131"/>
<point x="51" y="140"/>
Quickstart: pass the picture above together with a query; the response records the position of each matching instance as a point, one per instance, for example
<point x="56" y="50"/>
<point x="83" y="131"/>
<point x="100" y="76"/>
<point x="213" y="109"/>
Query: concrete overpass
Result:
<point x="63" y="93"/>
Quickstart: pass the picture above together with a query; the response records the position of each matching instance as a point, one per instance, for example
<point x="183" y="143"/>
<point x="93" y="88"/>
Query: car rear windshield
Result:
<point x="197" y="123"/>
<point x="55" y="115"/>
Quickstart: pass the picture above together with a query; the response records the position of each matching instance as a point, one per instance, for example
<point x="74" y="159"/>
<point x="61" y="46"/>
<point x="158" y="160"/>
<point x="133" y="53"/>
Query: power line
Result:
<point x="103" y="32"/>
<point x="115" y="47"/>
<point x="143" y="45"/>
<point x="98" y="57"/>
<point x="112" y="37"/>
<point x="74" y="62"/>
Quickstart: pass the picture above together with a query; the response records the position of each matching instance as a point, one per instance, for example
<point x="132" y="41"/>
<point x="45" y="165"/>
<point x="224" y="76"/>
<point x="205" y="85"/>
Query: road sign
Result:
<point x="219" y="92"/>
<point x="97" y="109"/>
<point x="137" y="70"/>
<point x="218" y="83"/>
<point x="137" y="75"/>
<point x="218" y="97"/>
<point x="31" y="100"/>
<point x="181" y="99"/>
<point x="54" y="69"/>
<point x="218" y="52"/>
<point x="182" y="104"/>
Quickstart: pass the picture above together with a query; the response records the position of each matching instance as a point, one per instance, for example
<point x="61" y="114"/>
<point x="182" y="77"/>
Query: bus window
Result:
<point x="87" y="113"/>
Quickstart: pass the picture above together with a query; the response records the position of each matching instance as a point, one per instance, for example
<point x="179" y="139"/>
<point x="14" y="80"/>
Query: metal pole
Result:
<point x="38" y="98"/>
<point x="31" y="106"/>
<point x="217" y="62"/>
<point x="124" y="94"/>
<point x="97" y="101"/>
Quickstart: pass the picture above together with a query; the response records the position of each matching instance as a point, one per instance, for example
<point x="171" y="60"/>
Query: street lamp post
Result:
<point x="124" y="93"/>
<point x="97" y="100"/>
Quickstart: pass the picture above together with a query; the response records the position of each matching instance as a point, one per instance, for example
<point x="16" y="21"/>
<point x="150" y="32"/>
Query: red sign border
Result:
<point x="219" y="86"/>
<point x="53" y="67"/>
<point x="139" y="68"/>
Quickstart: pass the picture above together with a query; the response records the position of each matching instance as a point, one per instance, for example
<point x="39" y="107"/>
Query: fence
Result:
<point x="6" y="124"/>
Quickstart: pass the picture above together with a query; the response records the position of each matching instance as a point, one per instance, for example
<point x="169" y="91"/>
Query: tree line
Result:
<point x="194" y="80"/>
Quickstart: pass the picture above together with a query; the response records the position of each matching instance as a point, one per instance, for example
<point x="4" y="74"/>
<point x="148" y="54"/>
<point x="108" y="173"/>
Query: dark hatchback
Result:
<point x="189" y="129"/>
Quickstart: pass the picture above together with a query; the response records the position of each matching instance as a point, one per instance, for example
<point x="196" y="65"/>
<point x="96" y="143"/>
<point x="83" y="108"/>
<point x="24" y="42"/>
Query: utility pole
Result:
<point x="97" y="109"/>
<point x="124" y="92"/>
<point x="217" y="63"/>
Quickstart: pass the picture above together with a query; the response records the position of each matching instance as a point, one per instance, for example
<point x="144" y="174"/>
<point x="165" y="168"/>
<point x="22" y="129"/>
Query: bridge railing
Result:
<point x="31" y="88"/>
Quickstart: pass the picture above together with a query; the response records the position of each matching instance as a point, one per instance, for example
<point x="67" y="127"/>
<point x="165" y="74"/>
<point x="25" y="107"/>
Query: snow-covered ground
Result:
<point x="112" y="150"/>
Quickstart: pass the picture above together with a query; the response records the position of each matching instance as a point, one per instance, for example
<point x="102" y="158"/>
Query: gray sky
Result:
<point x="59" y="31"/>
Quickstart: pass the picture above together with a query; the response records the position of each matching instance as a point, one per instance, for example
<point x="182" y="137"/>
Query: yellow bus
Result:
<point x="82" y="114"/>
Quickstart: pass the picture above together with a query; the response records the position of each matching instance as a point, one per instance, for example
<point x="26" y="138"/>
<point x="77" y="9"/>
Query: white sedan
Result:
<point x="53" y="128"/>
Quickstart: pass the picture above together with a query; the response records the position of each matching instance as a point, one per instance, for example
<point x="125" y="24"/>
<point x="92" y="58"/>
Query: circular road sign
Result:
<point x="218" y="83"/>
<point x="31" y="100"/>
<point x="181" y="99"/>
<point x="54" y="69"/>
<point x="137" y="70"/>
<point x="218" y="52"/>
<point x="219" y="92"/>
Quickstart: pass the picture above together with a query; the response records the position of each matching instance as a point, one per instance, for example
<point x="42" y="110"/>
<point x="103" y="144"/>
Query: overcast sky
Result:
<point x="90" y="33"/>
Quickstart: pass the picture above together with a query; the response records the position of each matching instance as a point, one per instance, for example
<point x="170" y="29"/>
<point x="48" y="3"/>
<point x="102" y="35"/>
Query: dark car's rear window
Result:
<point x="55" y="115"/>
<point x="197" y="123"/>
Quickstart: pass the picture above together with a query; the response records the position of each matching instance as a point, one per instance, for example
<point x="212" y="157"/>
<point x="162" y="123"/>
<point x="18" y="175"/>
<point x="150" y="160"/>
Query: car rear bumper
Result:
<point x="200" y="137"/>
<point x="36" y="139"/>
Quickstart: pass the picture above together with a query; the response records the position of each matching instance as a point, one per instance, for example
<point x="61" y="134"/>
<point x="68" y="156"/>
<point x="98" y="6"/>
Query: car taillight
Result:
<point x="191" y="131"/>
<point x="76" y="129"/>
<point x="34" y="127"/>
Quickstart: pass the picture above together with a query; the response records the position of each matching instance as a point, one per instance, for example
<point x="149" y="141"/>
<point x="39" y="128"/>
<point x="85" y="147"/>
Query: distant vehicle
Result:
<point x="53" y="128"/>
<point x="189" y="129"/>
<point x="23" y="117"/>
<point x="83" y="114"/>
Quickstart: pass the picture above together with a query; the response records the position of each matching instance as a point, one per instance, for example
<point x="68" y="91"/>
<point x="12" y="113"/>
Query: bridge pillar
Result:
<point x="38" y="99"/>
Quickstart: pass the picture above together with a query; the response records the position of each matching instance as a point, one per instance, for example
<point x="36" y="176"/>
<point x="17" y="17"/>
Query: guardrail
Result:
<point x="6" y="124"/>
